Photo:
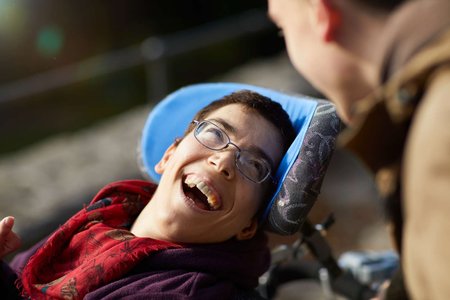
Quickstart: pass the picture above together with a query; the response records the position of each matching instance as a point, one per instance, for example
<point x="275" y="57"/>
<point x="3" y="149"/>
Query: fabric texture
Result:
<point x="227" y="270"/>
<point x="402" y="135"/>
<point x="217" y="271"/>
<point x="94" y="247"/>
<point x="302" y="184"/>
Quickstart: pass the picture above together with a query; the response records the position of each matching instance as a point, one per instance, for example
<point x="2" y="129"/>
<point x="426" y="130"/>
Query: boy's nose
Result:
<point x="223" y="162"/>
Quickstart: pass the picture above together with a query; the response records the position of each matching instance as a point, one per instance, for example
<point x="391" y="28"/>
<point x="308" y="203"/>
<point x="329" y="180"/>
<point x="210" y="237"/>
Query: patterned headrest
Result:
<point x="302" y="168"/>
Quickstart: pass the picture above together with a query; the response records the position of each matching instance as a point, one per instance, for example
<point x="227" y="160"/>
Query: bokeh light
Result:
<point x="50" y="40"/>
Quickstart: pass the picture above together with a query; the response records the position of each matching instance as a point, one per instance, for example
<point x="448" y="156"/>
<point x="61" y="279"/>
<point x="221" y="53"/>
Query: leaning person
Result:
<point x="386" y="66"/>
<point x="193" y="236"/>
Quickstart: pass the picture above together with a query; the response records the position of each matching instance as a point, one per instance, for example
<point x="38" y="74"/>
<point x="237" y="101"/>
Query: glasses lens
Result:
<point x="253" y="167"/>
<point x="211" y="136"/>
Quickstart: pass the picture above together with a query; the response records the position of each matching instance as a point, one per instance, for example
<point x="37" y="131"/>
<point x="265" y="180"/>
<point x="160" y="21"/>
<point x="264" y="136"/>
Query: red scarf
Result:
<point x="94" y="247"/>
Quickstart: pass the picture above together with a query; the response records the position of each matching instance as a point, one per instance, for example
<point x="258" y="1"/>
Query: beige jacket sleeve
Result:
<point x="426" y="240"/>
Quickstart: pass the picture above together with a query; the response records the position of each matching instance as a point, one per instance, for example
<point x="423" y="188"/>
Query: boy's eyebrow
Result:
<point x="230" y="128"/>
<point x="227" y="126"/>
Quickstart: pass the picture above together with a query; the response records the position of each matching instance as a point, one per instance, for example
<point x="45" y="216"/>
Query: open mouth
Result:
<point x="200" y="193"/>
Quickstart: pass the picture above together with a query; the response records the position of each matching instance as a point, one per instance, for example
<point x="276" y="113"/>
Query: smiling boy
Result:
<point x="194" y="236"/>
<point x="234" y="198"/>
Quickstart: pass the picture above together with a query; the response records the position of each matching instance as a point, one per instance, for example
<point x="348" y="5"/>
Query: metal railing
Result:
<point x="154" y="53"/>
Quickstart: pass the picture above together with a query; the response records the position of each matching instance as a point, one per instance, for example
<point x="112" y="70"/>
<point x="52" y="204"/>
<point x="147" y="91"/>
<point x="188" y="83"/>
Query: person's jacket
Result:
<point x="402" y="133"/>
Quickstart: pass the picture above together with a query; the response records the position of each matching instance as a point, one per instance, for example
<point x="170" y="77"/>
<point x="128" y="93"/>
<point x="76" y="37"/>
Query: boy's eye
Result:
<point x="214" y="133"/>
<point x="211" y="136"/>
<point x="258" y="167"/>
<point x="254" y="167"/>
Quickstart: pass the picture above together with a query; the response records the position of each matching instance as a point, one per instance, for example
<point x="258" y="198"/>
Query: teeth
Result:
<point x="192" y="181"/>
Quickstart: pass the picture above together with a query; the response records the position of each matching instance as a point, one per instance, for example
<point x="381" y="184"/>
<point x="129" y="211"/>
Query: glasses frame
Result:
<point x="237" y="153"/>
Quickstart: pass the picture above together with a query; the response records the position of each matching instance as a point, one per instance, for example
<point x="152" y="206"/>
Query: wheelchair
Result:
<point x="300" y="174"/>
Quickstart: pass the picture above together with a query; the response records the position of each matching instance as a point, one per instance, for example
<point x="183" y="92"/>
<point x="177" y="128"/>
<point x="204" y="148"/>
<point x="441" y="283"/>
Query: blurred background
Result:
<point x="78" y="78"/>
<point x="68" y="64"/>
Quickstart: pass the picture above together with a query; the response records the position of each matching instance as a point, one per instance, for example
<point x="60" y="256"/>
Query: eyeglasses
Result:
<point x="253" y="167"/>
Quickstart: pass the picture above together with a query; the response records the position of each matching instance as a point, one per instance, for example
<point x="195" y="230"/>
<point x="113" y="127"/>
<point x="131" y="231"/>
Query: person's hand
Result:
<point x="9" y="241"/>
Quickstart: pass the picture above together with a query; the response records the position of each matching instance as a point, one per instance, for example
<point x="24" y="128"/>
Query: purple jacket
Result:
<point x="225" y="270"/>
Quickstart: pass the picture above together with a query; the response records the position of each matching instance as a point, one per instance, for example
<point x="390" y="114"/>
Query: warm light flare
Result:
<point x="12" y="19"/>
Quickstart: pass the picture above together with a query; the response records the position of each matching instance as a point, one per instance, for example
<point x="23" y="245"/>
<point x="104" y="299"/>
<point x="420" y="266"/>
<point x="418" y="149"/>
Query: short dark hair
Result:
<point x="270" y="110"/>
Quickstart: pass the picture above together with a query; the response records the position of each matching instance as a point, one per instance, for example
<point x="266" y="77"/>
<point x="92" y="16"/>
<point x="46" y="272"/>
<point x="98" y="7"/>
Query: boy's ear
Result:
<point x="327" y="19"/>
<point x="249" y="231"/>
<point x="161" y="165"/>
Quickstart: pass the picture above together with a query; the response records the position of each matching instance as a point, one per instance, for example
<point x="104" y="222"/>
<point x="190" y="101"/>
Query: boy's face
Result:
<point x="182" y="214"/>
